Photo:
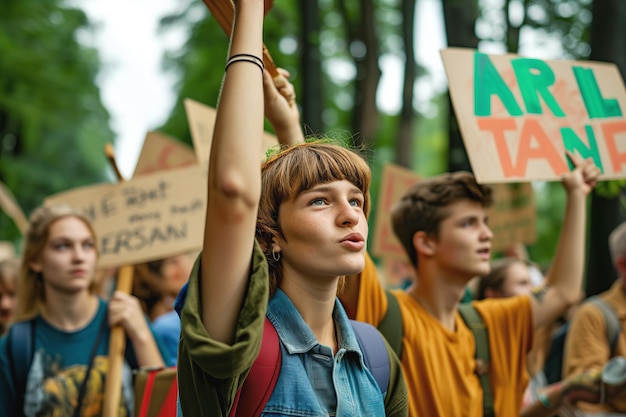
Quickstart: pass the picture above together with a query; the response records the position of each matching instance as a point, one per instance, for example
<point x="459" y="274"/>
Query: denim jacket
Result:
<point x="312" y="382"/>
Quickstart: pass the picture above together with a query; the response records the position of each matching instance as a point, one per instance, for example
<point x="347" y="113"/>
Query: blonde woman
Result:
<point x="69" y="324"/>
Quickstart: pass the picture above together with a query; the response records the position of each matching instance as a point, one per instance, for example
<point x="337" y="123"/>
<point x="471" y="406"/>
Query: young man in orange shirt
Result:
<point x="442" y="225"/>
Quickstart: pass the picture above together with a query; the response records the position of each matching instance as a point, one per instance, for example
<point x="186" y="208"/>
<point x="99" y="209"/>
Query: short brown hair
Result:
<point x="294" y="170"/>
<point x="425" y="205"/>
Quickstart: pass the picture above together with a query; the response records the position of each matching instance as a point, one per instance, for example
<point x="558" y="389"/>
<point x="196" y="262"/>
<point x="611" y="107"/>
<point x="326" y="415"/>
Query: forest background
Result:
<point x="54" y="125"/>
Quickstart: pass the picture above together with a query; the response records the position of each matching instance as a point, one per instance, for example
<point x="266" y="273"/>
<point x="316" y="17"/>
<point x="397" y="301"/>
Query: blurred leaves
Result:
<point x="53" y="125"/>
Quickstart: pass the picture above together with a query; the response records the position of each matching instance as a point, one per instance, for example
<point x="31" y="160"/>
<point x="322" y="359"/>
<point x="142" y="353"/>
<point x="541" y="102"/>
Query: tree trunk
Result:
<point x="460" y="18"/>
<point x="404" y="144"/>
<point x="608" y="43"/>
<point x="365" y="113"/>
<point x="310" y="62"/>
<point x="362" y="34"/>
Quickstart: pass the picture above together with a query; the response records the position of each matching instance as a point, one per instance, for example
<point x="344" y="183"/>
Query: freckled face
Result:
<point x="325" y="231"/>
<point x="464" y="243"/>
<point x="68" y="259"/>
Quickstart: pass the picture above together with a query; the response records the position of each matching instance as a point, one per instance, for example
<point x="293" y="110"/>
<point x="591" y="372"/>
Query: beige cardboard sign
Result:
<point x="147" y="218"/>
<point x="519" y="115"/>
<point x="161" y="153"/>
<point x="397" y="273"/>
<point x="201" y="123"/>
<point x="11" y="207"/>
<point x="511" y="218"/>
<point x="512" y="215"/>
<point x="395" y="180"/>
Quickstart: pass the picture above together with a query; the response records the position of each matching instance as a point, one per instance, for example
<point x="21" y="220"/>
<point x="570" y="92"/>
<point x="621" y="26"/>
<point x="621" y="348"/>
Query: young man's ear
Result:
<point x="423" y="243"/>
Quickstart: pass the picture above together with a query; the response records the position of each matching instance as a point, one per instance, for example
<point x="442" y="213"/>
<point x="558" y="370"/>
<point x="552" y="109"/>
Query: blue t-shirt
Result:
<point x="166" y="328"/>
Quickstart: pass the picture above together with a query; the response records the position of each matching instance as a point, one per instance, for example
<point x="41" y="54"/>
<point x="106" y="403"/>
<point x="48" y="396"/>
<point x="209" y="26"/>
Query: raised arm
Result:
<point x="234" y="177"/>
<point x="564" y="279"/>
<point x="281" y="108"/>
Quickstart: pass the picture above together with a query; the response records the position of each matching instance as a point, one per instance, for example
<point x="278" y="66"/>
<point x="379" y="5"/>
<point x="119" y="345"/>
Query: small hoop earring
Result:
<point x="275" y="255"/>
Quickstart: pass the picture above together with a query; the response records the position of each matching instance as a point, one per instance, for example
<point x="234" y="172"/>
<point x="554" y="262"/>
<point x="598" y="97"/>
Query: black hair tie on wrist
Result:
<point x="245" y="58"/>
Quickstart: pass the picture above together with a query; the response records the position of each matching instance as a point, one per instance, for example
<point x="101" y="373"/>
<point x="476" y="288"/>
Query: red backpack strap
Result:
<point x="147" y="396"/>
<point x="259" y="385"/>
<point x="170" y="404"/>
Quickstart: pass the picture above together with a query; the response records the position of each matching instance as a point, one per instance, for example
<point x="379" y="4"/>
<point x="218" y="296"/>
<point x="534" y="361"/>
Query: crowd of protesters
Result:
<point x="284" y="249"/>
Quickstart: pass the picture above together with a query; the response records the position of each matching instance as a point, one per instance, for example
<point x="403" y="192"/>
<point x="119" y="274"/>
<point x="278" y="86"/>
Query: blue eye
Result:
<point x="317" y="202"/>
<point x="356" y="202"/>
<point x="469" y="223"/>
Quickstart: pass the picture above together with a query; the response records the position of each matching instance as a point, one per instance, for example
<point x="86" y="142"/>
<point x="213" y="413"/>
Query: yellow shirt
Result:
<point x="439" y="365"/>
<point x="587" y="346"/>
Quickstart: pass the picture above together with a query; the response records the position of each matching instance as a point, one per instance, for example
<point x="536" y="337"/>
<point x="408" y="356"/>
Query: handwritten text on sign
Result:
<point x="519" y="115"/>
<point x="146" y="218"/>
<point x="511" y="217"/>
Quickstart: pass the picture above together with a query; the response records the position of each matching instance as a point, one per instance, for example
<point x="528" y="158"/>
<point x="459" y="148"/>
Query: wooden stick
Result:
<point x="224" y="12"/>
<point x="117" y="338"/>
<point x="110" y="154"/>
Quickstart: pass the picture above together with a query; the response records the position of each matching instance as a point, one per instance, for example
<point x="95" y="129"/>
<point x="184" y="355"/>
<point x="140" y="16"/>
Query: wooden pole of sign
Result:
<point x="224" y="12"/>
<point x="117" y="340"/>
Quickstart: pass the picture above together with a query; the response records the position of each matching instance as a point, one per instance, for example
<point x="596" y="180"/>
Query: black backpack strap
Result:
<point x="474" y="321"/>
<point x="20" y="353"/>
<point x="610" y="318"/>
<point x="374" y="351"/>
<point x="391" y="324"/>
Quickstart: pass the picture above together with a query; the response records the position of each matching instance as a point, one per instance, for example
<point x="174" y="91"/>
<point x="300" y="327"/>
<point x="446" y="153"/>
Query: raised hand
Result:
<point x="281" y="110"/>
<point x="584" y="177"/>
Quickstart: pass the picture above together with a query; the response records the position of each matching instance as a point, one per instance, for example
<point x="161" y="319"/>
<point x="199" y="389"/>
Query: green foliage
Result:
<point x="566" y="21"/>
<point x="550" y="203"/>
<point x="613" y="189"/>
<point x="53" y="125"/>
<point x="199" y="64"/>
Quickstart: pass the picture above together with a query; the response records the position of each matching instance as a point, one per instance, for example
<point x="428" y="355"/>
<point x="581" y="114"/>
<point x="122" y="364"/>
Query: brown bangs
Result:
<point x="304" y="166"/>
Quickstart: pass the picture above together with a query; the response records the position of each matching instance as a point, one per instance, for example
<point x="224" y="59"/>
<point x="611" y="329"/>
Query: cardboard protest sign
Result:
<point x="161" y="153"/>
<point x="511" y="218"/>
<point x="518" y="115"/>
<point x="146" y="218"/>
<point x="395" y="180"/>
<point x="11" y="207"/>
<point x="201" y="123"/>
<point x="397" y="273"/>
